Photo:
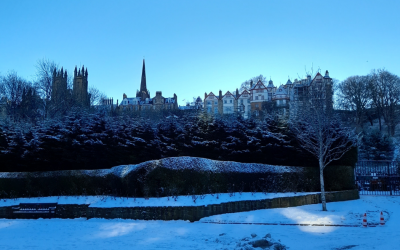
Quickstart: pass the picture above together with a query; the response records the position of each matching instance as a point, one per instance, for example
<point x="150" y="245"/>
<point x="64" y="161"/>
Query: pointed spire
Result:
<point x="86" y="74"/>
<point x="83" y="70"/>
<point x="75" y="71"/>
<point x="62" y="72"/>
<point x="143" y="86"/>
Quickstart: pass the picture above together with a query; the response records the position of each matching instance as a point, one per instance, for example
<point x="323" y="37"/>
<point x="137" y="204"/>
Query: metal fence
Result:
<point x="378" y="177"/>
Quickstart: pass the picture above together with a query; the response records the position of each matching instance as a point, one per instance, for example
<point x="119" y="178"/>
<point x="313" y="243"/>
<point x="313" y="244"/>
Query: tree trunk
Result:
<point x="380" y="122"/>
<point x="321" y="177"/>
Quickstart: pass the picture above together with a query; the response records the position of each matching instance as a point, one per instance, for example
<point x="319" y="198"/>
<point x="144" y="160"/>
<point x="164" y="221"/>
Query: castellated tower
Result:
<point x="59" y="86"/>
<point x="80" y="87"/>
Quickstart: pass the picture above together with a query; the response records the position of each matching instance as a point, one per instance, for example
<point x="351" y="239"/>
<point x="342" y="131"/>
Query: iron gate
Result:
<point x="378" y="177"/>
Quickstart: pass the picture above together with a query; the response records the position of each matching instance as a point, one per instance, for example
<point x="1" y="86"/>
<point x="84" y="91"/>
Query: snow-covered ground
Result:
<point x="173" y="201"/>
<point x="132" y="234"/>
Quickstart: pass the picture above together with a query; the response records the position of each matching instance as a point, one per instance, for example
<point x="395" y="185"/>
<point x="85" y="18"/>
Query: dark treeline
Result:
<point x="31" y="100"/>
<point x="83" y="140"/>
<point x="372" y="104"/>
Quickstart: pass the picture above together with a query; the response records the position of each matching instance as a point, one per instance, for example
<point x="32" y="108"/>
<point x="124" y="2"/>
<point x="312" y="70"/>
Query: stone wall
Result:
<point x="191" y="213"/>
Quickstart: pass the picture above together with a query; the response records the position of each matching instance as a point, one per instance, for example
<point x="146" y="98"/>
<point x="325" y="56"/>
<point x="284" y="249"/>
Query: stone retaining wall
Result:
<point x="191" y="213"/>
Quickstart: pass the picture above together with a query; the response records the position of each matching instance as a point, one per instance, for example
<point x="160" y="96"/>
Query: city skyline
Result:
<point x="200" y="46"/>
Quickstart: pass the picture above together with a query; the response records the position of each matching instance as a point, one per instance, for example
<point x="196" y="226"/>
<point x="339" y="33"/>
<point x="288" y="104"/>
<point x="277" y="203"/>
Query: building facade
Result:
<point x="267" y="98"/>
<point x="143" y="101"/>
<point x="60" y="94"/>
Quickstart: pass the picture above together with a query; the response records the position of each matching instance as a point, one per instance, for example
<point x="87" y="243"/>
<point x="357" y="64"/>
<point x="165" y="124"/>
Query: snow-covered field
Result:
<point x="130" y="234"/>
<point x="189" y="200"/>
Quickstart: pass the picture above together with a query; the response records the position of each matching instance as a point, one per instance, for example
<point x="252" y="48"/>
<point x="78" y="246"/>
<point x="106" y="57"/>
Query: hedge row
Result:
<point x="175" y="176"/>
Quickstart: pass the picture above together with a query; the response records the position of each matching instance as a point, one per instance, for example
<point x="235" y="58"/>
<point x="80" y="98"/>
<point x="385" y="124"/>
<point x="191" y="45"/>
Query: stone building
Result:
<point x="80" y="87"/>
<point x="79" y="95"/>
<point x="59" y="92"/>
<point x="143" y="101"/>
<point x="268" y="98"/>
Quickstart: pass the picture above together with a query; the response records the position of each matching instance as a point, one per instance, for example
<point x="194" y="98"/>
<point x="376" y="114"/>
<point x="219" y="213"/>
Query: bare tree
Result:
<point x="318" y="131"/>
<point x="354" y="95"/>
<point x="385" y="92"/>
<point x="246" y="84"/>
<point x="12" y="88"/>
<point x="44" y="81"/>
<point x="96" y="96"/>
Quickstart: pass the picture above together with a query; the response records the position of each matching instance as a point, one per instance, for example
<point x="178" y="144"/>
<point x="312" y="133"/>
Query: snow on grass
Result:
<point x="120" y="234"/>
<point x="173" y="201"/>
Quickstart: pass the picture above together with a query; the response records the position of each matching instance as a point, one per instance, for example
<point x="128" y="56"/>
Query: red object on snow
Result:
<point x="382" y="221"/>
<point x="364" y="223"/>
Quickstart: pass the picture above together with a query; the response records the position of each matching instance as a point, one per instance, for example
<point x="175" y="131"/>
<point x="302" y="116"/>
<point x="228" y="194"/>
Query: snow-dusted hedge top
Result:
<point x="173" y="163"/>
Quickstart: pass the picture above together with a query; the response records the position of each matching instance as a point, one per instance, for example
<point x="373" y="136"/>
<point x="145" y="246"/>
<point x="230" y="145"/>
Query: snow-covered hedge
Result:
<point x="94" y="141"/>
<point x="173" y="176"/>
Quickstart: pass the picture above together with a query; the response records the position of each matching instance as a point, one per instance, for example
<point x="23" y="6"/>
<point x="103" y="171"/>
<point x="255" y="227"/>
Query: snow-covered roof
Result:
<point x="281" y="91"/>
<point x="270" y="84"/>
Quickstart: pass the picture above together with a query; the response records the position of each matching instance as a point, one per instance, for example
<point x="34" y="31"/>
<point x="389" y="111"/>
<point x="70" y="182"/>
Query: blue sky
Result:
<point x="192" y="47"/>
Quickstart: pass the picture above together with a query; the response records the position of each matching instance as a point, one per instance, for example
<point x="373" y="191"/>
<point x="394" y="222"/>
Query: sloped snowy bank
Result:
<point x="173" y="163"/>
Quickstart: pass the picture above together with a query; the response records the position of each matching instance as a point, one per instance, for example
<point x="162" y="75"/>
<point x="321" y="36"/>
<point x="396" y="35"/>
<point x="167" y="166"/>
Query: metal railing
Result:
<point x="378" y="177"/>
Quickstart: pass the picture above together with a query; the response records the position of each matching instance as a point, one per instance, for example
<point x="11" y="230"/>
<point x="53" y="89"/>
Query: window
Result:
<point x="208" y="103"/>
<point x="256" y="97"/>
<point x="208" y="109"/>
<point x="248" y="100"/>
<point x="215" y="103"/>
<point x="224" y="101"/>
<point x="215" y="110"/>
<point x="262" y="97"/>
<point x="230" y="101"/>
<point x="241" y="101"/>
<point x="227" y="110"/>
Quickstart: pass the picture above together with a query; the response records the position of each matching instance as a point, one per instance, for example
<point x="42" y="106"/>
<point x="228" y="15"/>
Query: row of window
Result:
<point x="230" y="101"/>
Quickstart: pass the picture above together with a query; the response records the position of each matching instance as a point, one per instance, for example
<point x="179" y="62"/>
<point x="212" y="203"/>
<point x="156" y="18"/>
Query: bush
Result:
<point x="175" y="176"/>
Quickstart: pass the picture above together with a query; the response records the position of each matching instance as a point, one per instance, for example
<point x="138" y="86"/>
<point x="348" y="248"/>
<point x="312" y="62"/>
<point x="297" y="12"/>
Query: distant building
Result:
<point x="142" y="101"/>
<point x="79" y="94"/>
<point x="260" y="96"/>
<point x="196" y="105"/>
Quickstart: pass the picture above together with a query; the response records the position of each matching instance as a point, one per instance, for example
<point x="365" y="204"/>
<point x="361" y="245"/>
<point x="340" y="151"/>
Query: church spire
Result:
<point x="143" y="86"/>
<point x="143" y="93"/>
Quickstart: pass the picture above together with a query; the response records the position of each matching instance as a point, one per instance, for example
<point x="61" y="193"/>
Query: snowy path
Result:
<point x="128" y="234"/>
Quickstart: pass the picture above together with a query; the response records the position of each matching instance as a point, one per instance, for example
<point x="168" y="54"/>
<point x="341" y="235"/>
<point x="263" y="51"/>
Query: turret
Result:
<point x="326" y="74"/>
<point x="80" y="87"/>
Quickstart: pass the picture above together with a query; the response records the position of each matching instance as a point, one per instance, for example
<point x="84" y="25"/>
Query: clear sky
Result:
<point x="197" y="46"/>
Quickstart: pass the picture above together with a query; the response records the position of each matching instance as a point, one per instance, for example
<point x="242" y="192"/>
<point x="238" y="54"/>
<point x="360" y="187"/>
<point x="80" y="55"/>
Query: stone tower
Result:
<point x="143" y="93"/>
<point x="59" y="86"/>
<point x="80" y="88"/>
